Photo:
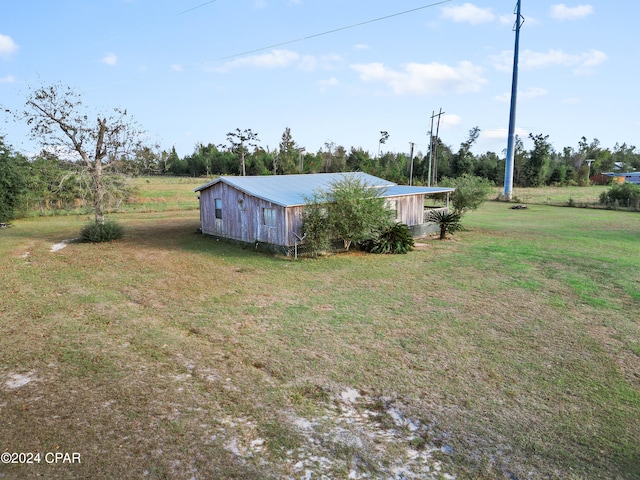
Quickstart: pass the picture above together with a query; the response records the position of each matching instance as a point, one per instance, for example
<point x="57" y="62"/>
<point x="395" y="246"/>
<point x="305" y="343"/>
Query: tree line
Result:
<point x="110" y="149"/>
<point x="539" y="166"/>
<point x="542" y="165"/>
<point x="48" y="182"/>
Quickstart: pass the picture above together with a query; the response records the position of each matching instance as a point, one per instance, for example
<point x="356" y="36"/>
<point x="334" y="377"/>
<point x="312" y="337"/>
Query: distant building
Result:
<point x="268" y="209"/>
<point x="601" y="179"/>
<point x="617" y="177"/>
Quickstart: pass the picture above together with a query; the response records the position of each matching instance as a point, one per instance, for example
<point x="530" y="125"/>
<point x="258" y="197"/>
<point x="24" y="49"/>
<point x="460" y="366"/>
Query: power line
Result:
<point x="328" y="32"/>
<point x="195" y="8"/>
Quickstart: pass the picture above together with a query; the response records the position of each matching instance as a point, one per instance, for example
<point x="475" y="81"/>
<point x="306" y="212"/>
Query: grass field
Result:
<point x="512" y="351"/>
<point x="559" y="196"/>
<point x="153" y="194"/>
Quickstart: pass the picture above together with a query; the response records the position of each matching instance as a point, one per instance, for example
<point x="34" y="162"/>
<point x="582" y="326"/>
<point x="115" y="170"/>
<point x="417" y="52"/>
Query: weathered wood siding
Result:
<point x="294" y="224"/>
<point x="409" y="208"/>
<point x="242" y="216"/>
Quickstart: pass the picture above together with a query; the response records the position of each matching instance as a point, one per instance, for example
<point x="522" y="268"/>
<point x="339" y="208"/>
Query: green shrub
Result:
<point x="98" y="232"/>
<point x="395" y="239"/>
<point x="350" y="210"/>
<point x="470" y="191"/>
<point x="356" y="211"/>
<point x="315" y="224"/>
<point x="625" y="194"/>
<point x="14" y="175"/>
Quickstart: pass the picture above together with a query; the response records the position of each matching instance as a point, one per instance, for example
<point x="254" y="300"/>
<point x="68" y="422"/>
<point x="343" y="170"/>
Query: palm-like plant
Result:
<point x="395" y="239"/>
<point x="449" y="222"/>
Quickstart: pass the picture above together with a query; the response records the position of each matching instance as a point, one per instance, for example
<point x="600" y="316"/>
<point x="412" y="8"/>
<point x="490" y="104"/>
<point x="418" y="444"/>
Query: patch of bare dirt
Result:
<point x="365" y="436"/>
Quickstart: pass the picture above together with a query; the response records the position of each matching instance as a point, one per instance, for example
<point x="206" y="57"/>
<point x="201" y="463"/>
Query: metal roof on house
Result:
<point x="622" y="174"/>
<point x="398" y="190"/>
<point x="292" y="190"/>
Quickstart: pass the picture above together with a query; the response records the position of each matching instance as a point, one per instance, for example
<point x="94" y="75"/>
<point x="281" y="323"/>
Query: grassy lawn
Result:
<point x="512" y="351"/>
<point x="557" y="195"/>
<point x="153" y="194"/>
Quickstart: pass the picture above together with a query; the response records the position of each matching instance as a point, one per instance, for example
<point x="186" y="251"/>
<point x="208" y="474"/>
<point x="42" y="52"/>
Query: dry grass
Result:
<point x="510" y="352"/>
<point x="157" y="194"/>
<point x="561" y="196"/>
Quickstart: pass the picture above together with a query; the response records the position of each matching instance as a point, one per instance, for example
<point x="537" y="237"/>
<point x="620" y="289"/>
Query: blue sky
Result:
<point x="181" y="69"/>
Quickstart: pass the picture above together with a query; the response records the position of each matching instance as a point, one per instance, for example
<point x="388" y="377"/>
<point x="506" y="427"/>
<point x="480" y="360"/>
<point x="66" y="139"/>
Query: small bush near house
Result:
<point x="395" y="239"/>
<point x="351" y="211"/>
<point x="356" y="211"/>
<point x="470" y="191"/>
<point x="98" y="232"/>
<point x="315" y="224"/>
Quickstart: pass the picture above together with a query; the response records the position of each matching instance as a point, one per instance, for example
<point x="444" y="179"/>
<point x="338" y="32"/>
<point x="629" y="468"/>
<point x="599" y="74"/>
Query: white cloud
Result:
<point x="361" y="46"/>
<point x="260" y="4"/>
<point x="324" y="62"/>
<point x="593" y="58"/>
<point x="526" y="94"/>
<point x="534" y="92"/>
<point x="331" y="82"/>
<point x="177" y="68"/>
<point x="562" y="12"/>
<point x="531" y="60"/>
<point x="450" y="120"/>
<point x="502" y="133"/>
<point x="328" y="83"/>
<point x="281" y="59"/>
<point x="273" y="59"/>
<point x="420" y="78"/>
<point x="7" y="46"/>
<point x="468" y="13"/>
<point x="110" y="59"/>
<point x="8" y="79"/>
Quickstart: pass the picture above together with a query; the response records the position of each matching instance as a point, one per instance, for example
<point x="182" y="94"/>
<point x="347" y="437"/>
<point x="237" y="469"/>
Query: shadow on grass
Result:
<point x="183" y="234"/>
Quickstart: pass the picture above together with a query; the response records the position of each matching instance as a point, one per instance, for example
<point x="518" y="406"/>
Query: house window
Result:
<point x="218" y="206"/>
<point x="269" y="217"/>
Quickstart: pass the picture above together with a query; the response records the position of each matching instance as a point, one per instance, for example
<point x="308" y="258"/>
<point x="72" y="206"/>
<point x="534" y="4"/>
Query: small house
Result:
<point x="268" y="209"/>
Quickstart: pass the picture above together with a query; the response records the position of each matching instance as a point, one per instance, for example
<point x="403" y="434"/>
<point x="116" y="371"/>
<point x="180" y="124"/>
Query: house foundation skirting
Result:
<point x="424" y="229"/>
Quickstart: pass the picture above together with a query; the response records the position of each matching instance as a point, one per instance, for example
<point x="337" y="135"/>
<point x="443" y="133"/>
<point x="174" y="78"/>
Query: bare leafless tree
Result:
<point x="60" y="121"/>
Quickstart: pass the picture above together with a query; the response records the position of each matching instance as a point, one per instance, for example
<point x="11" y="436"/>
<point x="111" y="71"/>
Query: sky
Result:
<point x="333" y="71"/>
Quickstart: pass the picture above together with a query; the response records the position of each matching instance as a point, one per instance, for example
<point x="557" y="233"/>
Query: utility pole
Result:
<point x="411" y="170"/>
<point x="433" y="149"/>
<point x="508" y="169"/>
<point x="430" y="149"/>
